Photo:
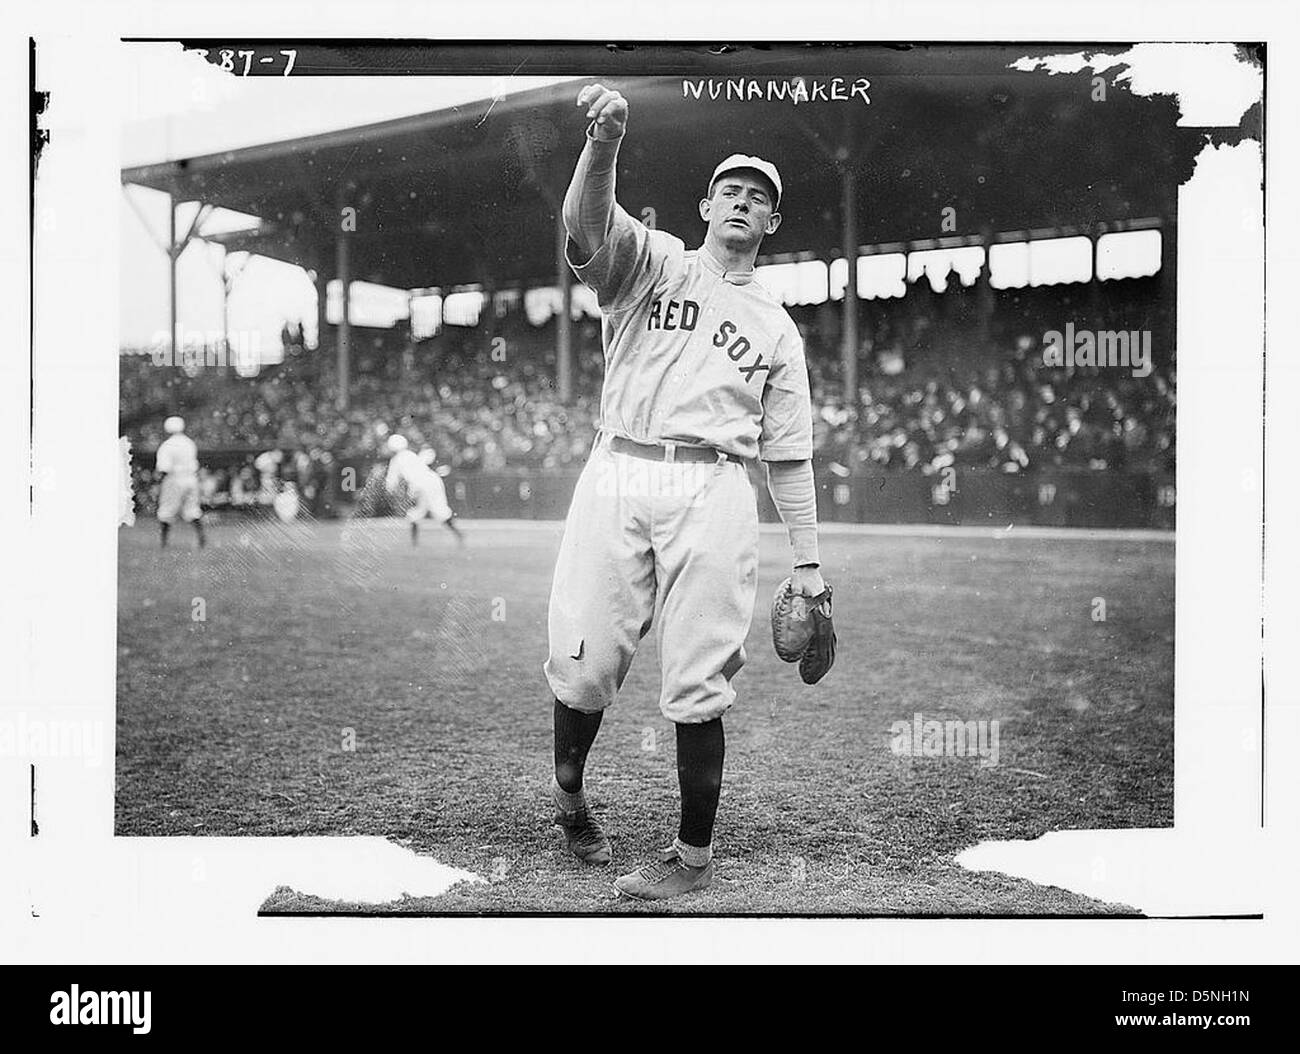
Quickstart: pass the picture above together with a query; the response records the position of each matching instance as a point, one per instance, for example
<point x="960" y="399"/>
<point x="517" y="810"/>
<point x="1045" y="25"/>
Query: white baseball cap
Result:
<point x="173" y="425"/>
<point x="736" y="161"/>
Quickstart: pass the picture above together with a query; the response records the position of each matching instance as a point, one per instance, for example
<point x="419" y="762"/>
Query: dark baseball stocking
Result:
<point x="701" y="749"/>
<point x="575" y="731"/>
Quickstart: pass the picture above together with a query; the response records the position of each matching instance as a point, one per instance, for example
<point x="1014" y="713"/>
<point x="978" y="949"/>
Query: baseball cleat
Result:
<point x="584" y="836"/>
<point x="666" y="877"/>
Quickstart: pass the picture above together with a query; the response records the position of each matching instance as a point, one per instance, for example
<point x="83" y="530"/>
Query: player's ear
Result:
<point x="706" y="207"/>
<point x="773" y="222"/>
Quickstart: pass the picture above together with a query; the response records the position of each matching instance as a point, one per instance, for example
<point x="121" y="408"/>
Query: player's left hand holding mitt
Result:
<point x="803" y="632"/>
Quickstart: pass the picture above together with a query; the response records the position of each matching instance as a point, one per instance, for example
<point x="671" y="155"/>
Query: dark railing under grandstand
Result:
<point x="1062" y="497"/>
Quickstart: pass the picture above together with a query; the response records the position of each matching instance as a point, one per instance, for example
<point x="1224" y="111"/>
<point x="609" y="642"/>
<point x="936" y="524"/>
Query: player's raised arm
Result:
<point x="616" y="256"/>
<point x="590" y="198"/>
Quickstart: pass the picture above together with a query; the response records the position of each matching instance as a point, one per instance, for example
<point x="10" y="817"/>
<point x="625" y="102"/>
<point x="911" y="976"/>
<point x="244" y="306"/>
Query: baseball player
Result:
<point x="424" y="486"/>
<point x="178" y="460"/>
<point x="704" y="372"/>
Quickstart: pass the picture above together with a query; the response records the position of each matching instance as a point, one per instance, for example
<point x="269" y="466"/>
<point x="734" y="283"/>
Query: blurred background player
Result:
<point x="423" y="486"/>
<point x="267" y="464"/>
<point x="178" y="462"/>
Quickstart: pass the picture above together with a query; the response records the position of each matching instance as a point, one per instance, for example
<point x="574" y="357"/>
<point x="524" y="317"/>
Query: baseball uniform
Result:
<point x="178" y="457"/>
<point x="695" y="356"/>
<point x="423" y="485"/>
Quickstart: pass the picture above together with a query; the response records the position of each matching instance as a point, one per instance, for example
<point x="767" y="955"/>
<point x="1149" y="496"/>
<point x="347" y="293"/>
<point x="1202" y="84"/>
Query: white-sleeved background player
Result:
<point x="178" y="460"/>
<point x="424" y="487"/>
<point x="704" y="371"/>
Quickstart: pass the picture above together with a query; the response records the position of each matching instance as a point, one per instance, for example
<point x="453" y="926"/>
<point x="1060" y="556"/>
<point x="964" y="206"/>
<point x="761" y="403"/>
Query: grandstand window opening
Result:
<point x="543" y="303"/>
<point x="1128" y="254"/>
<point x="1057" y="261"/>
<point x="463" y="308"/>
<point x="426" y="316"/>
<point x="938" y="264"/>
<point x="368" y="304"/>
<point x="1040" y="262"/>
<point x="804" y="282"/>
<point x="880" y="276"/>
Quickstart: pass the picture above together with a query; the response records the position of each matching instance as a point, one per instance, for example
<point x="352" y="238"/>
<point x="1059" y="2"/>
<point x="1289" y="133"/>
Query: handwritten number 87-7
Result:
<point x="229" y="55"/>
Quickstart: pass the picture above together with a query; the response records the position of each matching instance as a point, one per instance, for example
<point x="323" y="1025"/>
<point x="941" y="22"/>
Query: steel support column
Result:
<point x="849" y="337"/>
<point x="344" y="333"/>
<point x="172" y="254"/>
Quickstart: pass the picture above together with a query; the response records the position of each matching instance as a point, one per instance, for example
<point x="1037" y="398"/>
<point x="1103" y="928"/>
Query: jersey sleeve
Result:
<point x="628" y="263"/>
<point x="786" y="434"/>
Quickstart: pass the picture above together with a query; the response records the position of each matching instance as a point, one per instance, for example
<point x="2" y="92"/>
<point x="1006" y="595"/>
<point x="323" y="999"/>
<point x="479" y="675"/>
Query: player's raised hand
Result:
<point x="607" y="108"/>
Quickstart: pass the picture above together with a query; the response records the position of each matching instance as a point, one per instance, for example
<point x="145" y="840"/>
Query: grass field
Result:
<point x="236" y="722"/>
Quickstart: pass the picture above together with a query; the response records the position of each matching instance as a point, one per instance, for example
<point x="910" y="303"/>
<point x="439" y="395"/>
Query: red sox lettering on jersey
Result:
<point x="738" y="349"/>
<point x="695" y="353"/>
<point x="683" y="314"/>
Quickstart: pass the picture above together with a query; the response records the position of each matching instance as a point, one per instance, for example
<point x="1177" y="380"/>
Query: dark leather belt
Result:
<point x="669" y="452"/>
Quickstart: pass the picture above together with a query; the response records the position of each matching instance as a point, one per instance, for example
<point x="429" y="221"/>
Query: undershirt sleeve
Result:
<point x="794" y="493"/>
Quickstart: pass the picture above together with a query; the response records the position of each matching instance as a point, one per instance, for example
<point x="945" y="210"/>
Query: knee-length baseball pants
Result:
<point x="179" y="496"/>
<point x="681" y="537"/>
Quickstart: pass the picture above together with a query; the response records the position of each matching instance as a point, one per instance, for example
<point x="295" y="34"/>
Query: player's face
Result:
<point x="740" y="211"/>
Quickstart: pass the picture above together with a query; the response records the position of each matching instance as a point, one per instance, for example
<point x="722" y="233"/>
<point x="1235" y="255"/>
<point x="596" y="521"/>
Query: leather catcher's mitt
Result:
<point x="802" y="631"/>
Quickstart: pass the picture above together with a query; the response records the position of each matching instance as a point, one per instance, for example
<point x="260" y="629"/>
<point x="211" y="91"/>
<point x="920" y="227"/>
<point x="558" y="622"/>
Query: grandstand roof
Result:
<point x="467" y="194"/>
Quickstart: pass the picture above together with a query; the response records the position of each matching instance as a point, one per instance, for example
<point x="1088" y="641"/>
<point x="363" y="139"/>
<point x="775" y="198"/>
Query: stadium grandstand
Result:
<point x="445" y="311"/>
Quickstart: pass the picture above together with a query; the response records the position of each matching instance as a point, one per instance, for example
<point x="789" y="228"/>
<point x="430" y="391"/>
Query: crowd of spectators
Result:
<point x="1014" y="416"/>
<point x="477" y="411"/>
<point x="928" y="397"/>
